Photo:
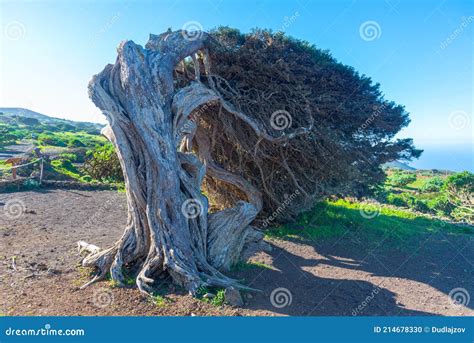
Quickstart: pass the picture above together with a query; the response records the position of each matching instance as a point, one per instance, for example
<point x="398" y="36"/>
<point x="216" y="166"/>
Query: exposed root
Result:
<point x="90" y="248"/>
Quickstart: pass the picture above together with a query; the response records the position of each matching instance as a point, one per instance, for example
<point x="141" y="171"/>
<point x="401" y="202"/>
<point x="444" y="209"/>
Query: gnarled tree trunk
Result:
<point x="169" y="229"/>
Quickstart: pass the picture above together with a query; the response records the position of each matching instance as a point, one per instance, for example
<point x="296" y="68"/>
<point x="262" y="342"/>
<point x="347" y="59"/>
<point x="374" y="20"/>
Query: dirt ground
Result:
<point x="39" y="272"/>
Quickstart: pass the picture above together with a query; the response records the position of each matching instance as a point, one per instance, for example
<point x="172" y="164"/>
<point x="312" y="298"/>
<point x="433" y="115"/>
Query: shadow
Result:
<point x="77" y="193"/>
<point x="22" y="189"/>
<point x="312" y="295"/>
<point x="440" y="256"/>
<point x="439" y="260"/>
<point x="49" y="186"/>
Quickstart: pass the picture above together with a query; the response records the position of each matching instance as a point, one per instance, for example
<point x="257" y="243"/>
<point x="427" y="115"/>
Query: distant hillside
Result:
<point x="10" y="115"/>
<point x="398" y="165"/>
<point x="22" y="130"/>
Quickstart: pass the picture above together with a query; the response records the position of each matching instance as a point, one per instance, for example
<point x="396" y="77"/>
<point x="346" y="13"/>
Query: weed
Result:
<point x="241" y="266"/>
<point x="217" y="299"/>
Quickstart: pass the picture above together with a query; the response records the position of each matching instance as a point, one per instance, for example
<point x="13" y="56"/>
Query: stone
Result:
<point x="232" y="297"/>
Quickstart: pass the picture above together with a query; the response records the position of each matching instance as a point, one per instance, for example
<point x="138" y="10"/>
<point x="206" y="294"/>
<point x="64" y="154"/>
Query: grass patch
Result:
<point x="70" y="139"/>
<point x="85" y="275"/>
<point x="335" y="218"/>
<point x="241" y="266"/>
<point x="417" y="184"/>
<point x="128" y="281"/>
<point x="159" y="300"/>
<point x="121" y="187"/>
<point x="66" y="168"/>
<point x="217" y="300"/>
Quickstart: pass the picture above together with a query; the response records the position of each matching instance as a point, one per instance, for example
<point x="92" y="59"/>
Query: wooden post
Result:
<point x="41" y="171"/>
<point x="14" y="161"/>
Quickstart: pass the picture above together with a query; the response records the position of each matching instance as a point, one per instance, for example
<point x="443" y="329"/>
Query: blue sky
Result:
<point x="50" y="49"/>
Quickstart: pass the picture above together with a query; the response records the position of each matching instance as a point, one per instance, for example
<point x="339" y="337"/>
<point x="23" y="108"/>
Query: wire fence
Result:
<point x="19" y="171"/>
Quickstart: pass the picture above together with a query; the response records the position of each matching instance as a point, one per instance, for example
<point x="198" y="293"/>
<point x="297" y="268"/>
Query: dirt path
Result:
<point x="16" y="150"/>
<point x="343" y="276"/>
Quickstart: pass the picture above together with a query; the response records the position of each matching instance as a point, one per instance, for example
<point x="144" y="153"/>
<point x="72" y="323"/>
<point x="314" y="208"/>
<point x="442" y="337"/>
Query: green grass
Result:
<point x="418" y="183"/>
<point x="428" y="196"/>
<point x="66" y="168"/>
<point x="128" y="281"/>
<point x="335" y="218"/>
<point x="217" y="300"/>
<point x="85" y="275"/>
<point x="241" y="266"/>
<point x="160" y="300"/>
<point x="69" y="139"/>
<point x="121" y="187"/>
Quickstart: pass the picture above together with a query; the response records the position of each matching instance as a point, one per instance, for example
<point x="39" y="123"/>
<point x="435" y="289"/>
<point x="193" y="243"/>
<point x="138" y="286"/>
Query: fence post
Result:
<point x="41" y="171"/>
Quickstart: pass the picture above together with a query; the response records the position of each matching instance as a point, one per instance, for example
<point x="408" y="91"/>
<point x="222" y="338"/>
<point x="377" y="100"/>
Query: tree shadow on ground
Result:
<point x="439" y="257"/>
<point x="315" y="296"/>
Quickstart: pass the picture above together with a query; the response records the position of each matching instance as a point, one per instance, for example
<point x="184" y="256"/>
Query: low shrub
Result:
<point x="103" y="164"/>
<point x="396" y="200"/>
<point x="31" y="184"/>
<point x="51" y="139"/>
<point x="75" y="143"/>
<point x="419" y="205"/>
<point x="399" y="179"/>
<point x="440" y="205"/>
<point x="459" y="190"/>
<point x="68" y="156"/>
<point x="433" y="184"/>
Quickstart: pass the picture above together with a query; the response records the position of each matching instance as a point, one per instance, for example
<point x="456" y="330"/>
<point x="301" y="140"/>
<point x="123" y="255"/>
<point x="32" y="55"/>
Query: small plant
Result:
<point x="159" y="300"/>
<point x="128" y="280"/>
<point x="31" y="184"/>
<point x="85" y="274"/>
<point x="121" y="187"/>
<point x="219" y="299"/>
<point x="211" y="295"/>
<point x="113" y="284"/>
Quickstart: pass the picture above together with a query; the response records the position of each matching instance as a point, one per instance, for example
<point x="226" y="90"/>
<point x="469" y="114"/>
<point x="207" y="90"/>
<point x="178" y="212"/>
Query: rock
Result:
<point x="52" y="271"/>
<point x="232" y="297"/>
<point x="42" y="266"/>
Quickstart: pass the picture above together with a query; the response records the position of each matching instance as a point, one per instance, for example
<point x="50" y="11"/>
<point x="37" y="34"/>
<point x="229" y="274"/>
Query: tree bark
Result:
<point x="169" y="230"/>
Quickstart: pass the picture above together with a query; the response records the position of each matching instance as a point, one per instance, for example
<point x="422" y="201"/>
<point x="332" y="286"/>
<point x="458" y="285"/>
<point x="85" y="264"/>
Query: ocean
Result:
<point x="454" y="157"/>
